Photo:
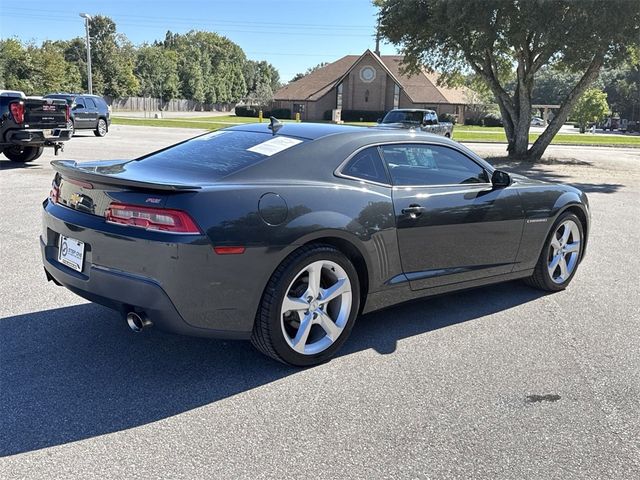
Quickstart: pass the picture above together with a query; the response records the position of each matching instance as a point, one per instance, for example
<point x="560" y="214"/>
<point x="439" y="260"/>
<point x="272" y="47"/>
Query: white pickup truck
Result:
<point x="425" y="120"/>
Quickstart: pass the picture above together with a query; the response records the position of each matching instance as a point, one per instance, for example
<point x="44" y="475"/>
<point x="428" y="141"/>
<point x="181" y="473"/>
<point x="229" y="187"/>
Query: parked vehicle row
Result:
<point x="28" y="125"/>
<point x="88" y="112"/>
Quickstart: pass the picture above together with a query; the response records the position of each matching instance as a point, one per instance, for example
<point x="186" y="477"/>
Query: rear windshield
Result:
<point x="220" y="153"/>
<point x="403" y="117"/>
<point x="61" y="97"/>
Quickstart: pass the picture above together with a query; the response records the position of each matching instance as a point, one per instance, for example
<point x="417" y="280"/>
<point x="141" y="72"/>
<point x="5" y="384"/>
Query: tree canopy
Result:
<point x="504" y="40"/>
<point x="590" y="108"/>
<point x="198" y="65"/>
<point x="300" y="75"/>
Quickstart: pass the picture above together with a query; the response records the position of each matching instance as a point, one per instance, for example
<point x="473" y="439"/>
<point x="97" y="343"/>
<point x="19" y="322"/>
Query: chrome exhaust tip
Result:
<point x="136" y="322"/>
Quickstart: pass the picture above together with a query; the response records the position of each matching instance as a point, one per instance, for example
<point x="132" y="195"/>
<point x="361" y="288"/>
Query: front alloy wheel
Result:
<point x="308" y="307"/>
<point x="564" y="250"/>
<point x="560" y="255"/>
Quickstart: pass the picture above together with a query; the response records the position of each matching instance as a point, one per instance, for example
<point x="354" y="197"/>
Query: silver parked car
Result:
<point x="425" y="120"/>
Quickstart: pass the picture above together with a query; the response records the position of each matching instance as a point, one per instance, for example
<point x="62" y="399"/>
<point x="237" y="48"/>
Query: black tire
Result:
<point x="17" y="153"/>
<point x="268" y="336"/>
<point x="71" y="127"/>
<point x="541" y="278"/>
<point x="38" y="153"/>
<point x="101" y="129"/>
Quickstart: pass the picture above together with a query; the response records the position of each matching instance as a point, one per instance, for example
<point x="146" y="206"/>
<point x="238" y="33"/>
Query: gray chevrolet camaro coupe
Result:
<point x="284" y="234"/>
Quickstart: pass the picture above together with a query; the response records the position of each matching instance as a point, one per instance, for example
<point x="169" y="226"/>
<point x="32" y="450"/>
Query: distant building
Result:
<point x="367" y="83"/>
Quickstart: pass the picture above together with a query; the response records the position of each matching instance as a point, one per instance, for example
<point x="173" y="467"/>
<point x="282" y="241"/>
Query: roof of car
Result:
<point x="64" y="94"/>
<point x="310" y="131"/>
<point x="412" y="110"/>
<point x="314" y="131"/>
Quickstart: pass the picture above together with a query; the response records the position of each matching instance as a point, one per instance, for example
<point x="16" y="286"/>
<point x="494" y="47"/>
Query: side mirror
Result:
<point x="78" y="107"/>
<point x="379" y="120"/>
<point x="500" y="179"/>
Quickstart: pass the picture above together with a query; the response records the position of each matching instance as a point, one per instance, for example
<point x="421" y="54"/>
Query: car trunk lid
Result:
<point x="91" y="187"/>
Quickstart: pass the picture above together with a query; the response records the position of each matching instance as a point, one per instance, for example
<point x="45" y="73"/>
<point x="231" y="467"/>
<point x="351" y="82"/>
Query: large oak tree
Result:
<point x="498" y="39"/>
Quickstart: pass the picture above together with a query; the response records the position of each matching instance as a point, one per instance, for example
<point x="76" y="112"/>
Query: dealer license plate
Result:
<point x="71" y="253"/>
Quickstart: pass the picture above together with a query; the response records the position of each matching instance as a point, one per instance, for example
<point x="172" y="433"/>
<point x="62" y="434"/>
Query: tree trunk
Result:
<point x="543" y="141"/>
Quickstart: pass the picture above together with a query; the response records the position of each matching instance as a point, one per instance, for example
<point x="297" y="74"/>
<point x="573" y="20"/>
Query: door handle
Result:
<point x="413" y="210"/>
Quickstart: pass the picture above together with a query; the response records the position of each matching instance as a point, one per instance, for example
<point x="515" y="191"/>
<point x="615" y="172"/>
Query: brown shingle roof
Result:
<point x="316" y="84"/>
<point x="421" y="88"/>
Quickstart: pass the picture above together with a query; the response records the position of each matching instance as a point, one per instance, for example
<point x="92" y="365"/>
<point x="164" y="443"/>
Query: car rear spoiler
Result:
<point x="70" y="169"/>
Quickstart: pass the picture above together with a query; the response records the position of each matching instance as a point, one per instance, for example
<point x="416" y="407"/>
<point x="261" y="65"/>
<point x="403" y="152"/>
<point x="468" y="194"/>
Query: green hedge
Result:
<point x="246" y="112"/>
<point x="281" y="113"/>
<point x="486" y="121"/>
<point x="447" y="117"/>
<point x="360" y="115"/>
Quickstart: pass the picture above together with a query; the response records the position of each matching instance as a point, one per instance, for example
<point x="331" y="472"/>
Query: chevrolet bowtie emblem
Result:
<point x="75" y="199"/>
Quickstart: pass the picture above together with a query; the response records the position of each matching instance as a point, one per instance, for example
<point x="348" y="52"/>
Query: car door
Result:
<point x="92" y="112"/>
<point x="452" y="225"/>
<point x="80" y="113"/>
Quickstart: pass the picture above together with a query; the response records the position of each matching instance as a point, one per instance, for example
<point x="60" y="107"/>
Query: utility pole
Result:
<point x="87" y="19"/>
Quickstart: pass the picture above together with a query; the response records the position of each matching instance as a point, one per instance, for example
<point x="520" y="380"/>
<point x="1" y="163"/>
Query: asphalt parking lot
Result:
<point x="498" y="382"/>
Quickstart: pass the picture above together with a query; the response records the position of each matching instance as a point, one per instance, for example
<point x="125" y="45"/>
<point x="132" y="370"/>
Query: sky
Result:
<point x="293" y="35"/>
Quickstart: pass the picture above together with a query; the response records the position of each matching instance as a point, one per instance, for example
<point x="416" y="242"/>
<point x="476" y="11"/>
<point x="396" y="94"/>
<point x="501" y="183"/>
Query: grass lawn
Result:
<point x="498" y="136"/>
<point x="461" y="133"/>
<point x="210" y="123"/>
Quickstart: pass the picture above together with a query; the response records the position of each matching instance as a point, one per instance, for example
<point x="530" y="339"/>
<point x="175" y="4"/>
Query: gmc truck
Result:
<point x="425" y="120"/>
<point x="29" y="124"/>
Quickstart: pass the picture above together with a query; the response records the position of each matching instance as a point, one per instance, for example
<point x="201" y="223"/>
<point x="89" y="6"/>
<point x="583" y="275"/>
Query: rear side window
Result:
<point x="367" y="165"/>
<point x="90" y="103"/>
<point x="220" y="153"/>
<point x="417" y="164"/>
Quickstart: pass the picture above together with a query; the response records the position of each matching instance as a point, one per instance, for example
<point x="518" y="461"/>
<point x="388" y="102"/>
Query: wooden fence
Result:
<point x="141" y="104"/>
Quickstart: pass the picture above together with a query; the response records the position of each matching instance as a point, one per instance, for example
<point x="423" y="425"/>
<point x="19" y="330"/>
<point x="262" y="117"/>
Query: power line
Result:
<point x="151" y="19"/>
<point x="217" y="28"/>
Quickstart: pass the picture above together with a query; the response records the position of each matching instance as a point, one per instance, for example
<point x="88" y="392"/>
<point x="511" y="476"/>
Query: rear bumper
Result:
<point x="165" y="298"/>
<point x="37" y="138"/>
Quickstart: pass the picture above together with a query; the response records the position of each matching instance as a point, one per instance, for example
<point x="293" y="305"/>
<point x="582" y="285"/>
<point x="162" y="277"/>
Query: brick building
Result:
<point x="368" y="82"/>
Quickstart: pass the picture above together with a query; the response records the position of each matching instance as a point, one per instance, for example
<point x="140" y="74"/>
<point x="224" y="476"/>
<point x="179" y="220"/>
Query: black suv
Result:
<point x="88" y="112"/>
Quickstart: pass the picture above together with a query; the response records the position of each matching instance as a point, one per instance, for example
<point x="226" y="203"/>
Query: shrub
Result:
<point x="492" y="121"/>
<point x="447" y="117"/>
<point x="281" y="113"/>
<point x="361" y="115"/>
<point x="244" y="111"/>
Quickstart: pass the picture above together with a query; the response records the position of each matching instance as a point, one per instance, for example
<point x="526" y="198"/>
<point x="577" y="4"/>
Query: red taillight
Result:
<point x="54" y="194"/>
<point x="229" y="250"/>
<point x="67" y="112"/>
<point x="17" y="111"/>
<point x="163" y="219"/>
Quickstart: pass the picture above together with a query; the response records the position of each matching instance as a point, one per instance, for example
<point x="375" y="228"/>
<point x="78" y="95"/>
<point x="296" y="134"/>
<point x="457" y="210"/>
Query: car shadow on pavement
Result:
<point x="9" y="165"/>
<point x="538" y="172"/>
<point x="77" y="372"/>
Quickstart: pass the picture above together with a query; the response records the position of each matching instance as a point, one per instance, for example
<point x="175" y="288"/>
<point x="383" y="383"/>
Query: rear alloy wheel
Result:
<point x="309" y="307"/>
<point x="71" y="127"/>
<point x="17" y="153"/>
<point x="101" y="129"/>
<point x="560" y="255"/>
